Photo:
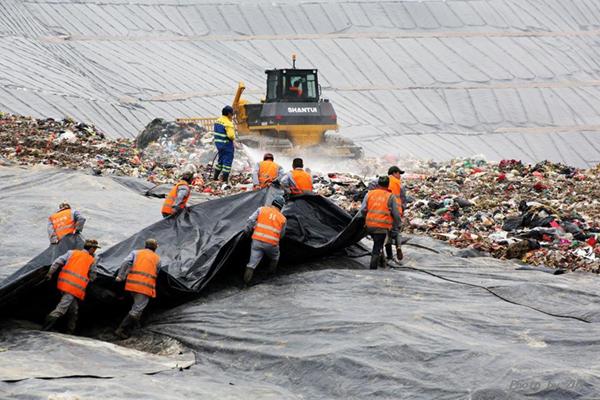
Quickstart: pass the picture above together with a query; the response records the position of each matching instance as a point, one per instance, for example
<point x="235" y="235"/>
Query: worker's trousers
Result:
<point x="378" y="242"/>
<point x="259" y="250"/>
<point x="140" y="301"/>
<point x="225" y="160"/>
<point x="68" y="304"/>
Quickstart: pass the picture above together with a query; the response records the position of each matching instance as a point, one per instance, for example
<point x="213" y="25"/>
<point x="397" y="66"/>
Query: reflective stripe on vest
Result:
<point x="73" y="277"/>
<point x="167" y="207"/>
<point x="268" y="227"/>
<point x="220" y="132"/>
<point x="396" y="188"/>
<point x="267" y="172"/>
<point x="378" y="212"/>
<point x="63" y="223"/>
<point x="143" y="273"/>
<point x="303" y="182"/>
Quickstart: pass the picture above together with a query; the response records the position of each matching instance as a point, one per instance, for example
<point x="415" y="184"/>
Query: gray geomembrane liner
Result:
<point x="422" y="79"/>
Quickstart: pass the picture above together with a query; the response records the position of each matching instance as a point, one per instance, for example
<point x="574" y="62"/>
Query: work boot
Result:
<point x="388" y="251"/>
<point x="399" y="252"/>
<point x="374" y="261"/>
<point x="248" y="274"/>
<point x="216" y="174"/>
<point x="225" y="177"/>
<point x="272" y="268"/>
<point x="382" y="261"/>
<point x="123" y="331"/>
<point x="71" y="324"/>
<point x="49" y="322"/>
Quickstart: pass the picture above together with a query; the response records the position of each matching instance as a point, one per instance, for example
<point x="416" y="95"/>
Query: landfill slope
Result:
<point x="431" y="79"/>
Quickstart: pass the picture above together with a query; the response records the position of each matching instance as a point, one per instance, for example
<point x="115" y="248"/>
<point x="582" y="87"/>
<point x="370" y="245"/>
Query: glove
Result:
<point x="118" y="279"/>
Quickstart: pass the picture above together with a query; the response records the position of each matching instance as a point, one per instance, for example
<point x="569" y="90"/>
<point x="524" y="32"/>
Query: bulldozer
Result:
<point x="292" y="118"/>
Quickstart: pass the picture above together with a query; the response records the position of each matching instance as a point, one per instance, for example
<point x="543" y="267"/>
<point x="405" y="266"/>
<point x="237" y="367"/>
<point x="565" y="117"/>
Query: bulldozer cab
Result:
<point x="292" y="86"/>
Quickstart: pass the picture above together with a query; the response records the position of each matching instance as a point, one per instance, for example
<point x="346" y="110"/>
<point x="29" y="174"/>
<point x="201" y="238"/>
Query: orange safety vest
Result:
<point x="268" y="227"/>
<point x="303" y="182"/>
<point x="167" y="207"/>
<point x="396" y="188"/>
<point x="143" y="273"/>
<point x="63" y="223"/>
<point x="267" y="173"/>
<point x="74" y="276"/>
<point x="379" y="214"/>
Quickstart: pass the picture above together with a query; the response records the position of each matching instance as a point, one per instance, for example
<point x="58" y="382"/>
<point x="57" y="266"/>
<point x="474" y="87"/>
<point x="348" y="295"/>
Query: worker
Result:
<point x="297" y="181"/>
<point x="64" y="222"/>
<point x="295" y="89"/>
<point x="266" y="172"/>
<point x="268" y="227"/>
<point x="178" y="197"/>
<point x="395" y="175"/>
<point x="381" y="217"/>
<point x="78" y="269"/>
<point x="224" y="134"/>
<point x="139" y="270"/>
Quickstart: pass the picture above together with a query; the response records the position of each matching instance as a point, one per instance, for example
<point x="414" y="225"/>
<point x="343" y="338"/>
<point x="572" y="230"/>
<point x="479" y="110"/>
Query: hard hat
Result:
<point x="227" y="110"/>
<point x="383" y="181"/>
<point x="278" y="201"/>
<point x="64" y="206"/>
<point x="91" y="243"/>
<point x="151" y="244"/>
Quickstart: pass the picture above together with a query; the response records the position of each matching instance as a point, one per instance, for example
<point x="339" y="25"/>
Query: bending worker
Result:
<point x="268" y="226"/>
<point x="78" y="269"/>
<point x="298" y="181"/>
<point x="266" y="172"/>
<point x="224" y="134"/>
<point x="64" y="222"/>
<point x="177" y="198"/>
<point x="140" y="269"/>
<point x="382" y="217"/>
<point x="395" y="175"/>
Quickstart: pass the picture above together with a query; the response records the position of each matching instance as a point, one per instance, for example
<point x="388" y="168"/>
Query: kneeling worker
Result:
<point x="382" y="217"/>
<point x="266" y="172"/>
<point x="64" y="222"/>
<point x="178" y="196"/>
<point x="268" y="224"/>
<point x="140" y="269"/>
<point x="78" y="269"/>
<point x="298" y="181"/>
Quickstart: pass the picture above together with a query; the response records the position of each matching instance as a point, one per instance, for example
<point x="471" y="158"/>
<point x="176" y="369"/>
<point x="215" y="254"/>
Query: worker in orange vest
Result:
<point x="266" y="172"/>
<point x="139" y="270"/>
<point x="64" y="222"/>
<point x="267" y="225"/>
<point x="395" y="175"/>
<point x="178" y="196"/>
<point x="381" y="217"/>
<point x="78" y="269"/>
<point x="297" y="181"/>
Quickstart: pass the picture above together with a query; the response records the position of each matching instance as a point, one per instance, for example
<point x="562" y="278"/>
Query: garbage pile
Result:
<point x="545" y="214"/>
<point x="166" y="149"/>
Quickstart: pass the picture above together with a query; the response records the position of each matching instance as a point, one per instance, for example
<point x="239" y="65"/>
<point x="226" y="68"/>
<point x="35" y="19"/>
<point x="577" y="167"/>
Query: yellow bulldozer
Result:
<point x="292" y="118"/>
